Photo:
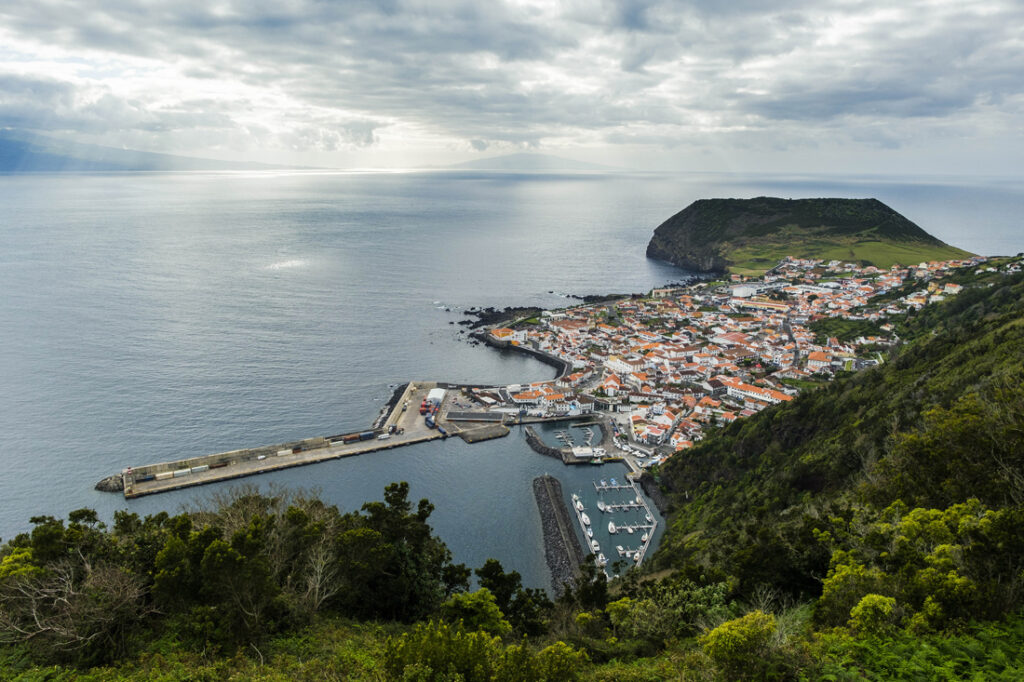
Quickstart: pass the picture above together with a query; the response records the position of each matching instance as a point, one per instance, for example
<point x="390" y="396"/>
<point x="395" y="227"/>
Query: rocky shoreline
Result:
<point x="561" y="547"/>
<point x="111" y="484"/>
<point x="654" y="492"/>
<point x="563" y="366"/>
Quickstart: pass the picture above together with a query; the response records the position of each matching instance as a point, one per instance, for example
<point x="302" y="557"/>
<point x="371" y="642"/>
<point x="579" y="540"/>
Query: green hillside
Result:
<point x="939" y="424"/>
<point x="749" y="236"/>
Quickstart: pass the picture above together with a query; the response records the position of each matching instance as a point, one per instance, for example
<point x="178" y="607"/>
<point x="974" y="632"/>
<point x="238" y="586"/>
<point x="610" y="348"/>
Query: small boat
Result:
<point x="643" y="538"/>
<point x="594" y="546"/>
<point x="618" y="548"/>
<point x="604" y="482"/>
<point x="579" y="505"/>
<point x="600" y="505"/>
<point x="636" y="557"/>
<point x="638" y="500"/>
<point x="648" y="517"/>
<point x="590" y="533"/>
<point x="586" y="519"/>
<point x="611" y="528"/>
<point x="601" y="561"/>
<point x="629" y="529"/>
<point x="614" y="482"/>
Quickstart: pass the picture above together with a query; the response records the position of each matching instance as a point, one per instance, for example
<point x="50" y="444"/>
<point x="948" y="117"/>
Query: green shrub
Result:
<point x="741" y="647"/>
<point x="873" y="615"/>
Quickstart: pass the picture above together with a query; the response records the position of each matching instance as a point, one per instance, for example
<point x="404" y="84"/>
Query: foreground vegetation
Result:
<point x="872" y="529"/>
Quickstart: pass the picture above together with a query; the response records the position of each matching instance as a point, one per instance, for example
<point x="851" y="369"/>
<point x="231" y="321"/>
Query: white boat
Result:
<point x="648" y="517"/>
<point x="586" y="519"/>
<point x="601" y="561"/>
<point x="629" y="529"/>
<point x="644" y="538"/>
<point x="590" y="532"/>
<point x="594" y="546"/>
<point x="579" y="505"/>
<point x="575" y="498"/>
<point x="636" y="557"/>
<point x="618" y="548"/>
<point x="600" y="505"/>
<point x="611" y="528"/>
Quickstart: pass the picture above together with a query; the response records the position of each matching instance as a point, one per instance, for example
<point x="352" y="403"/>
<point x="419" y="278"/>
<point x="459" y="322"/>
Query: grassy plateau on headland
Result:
<point x="749" y="236"/>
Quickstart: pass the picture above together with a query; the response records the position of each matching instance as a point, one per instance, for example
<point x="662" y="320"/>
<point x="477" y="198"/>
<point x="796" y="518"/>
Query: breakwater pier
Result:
<point x="561" y="548"/>
<point x="399" y="424"/>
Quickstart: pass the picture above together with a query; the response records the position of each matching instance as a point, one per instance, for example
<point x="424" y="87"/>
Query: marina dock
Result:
<point x="629" y="529"/>
<point x="603" y="486"/>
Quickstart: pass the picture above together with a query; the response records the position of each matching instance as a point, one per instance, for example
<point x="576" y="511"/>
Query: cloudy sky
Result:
<point x="933" y="86"/>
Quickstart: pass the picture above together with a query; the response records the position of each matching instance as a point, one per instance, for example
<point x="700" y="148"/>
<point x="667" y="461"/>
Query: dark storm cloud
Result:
<point x="624" y="70"/>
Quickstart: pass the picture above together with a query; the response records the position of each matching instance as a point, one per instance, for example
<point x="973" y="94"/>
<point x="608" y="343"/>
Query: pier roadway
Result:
<point x="410" y="429"/>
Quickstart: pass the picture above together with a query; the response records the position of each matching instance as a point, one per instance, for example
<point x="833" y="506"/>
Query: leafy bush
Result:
<point x="741" y="647"/>
<point x="441" y="651"/>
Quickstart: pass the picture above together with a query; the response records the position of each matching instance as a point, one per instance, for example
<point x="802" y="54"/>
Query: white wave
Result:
<point x="287" y="264"/>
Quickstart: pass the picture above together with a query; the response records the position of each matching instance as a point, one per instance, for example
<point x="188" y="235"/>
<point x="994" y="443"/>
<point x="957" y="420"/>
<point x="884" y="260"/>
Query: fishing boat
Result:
<point x="611" y="528"/>
<point x="585" y="518"/>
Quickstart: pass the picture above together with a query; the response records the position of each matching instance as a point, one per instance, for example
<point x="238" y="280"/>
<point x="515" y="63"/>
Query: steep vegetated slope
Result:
<point x="751" y="235"/>
<point x="904" y="481"/>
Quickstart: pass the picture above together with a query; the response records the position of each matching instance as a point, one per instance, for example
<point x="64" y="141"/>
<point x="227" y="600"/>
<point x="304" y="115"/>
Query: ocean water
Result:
<point x="147" y="317"/>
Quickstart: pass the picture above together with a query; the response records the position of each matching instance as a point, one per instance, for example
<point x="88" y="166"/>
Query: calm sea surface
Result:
<point x="147" y="317"/>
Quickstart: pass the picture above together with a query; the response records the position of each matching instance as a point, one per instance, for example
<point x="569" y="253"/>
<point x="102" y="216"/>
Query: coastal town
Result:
<point x="670" y="367"/>
<point x="641" y="377"/>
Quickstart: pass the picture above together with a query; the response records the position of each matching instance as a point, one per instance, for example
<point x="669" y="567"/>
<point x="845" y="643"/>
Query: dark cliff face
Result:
<point x="698" y="237"/>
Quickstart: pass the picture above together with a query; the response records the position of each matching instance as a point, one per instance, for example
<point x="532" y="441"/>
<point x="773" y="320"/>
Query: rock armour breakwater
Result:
<point x="538" y="446"/>
<point x="561" y="547"/>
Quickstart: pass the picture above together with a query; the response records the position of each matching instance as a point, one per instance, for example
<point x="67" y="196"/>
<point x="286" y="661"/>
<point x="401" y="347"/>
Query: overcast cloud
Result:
<point x="744" y="84"/>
